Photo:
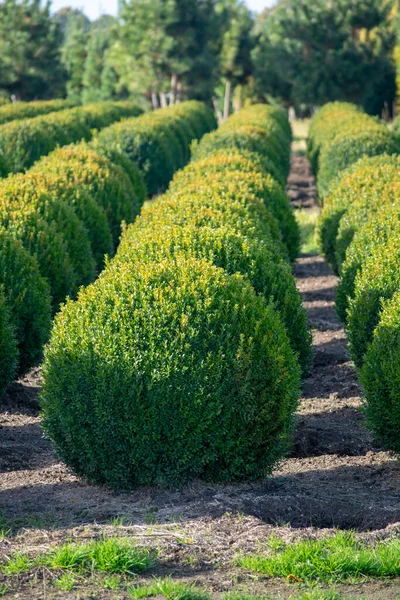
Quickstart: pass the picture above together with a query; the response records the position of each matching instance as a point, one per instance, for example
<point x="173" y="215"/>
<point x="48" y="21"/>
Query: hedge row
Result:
<point x="360" y="236"/>
<point x="62" y="216"/>
<point x="159" y="143"/>
<point x="23" y="142"/>
<point x="26" y="110"/>
<point x="176" y="363"/>
<point x="340" y="134"/>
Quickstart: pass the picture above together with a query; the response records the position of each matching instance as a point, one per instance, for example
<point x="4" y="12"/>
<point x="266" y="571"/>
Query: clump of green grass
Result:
<point x="108" y="555"/>
<point x="332" y="559"/>
<point x="170" y="589"/>
<point x="307" y="220"/>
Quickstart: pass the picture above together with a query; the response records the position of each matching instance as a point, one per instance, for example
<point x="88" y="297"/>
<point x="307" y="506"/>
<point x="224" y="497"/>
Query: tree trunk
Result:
<point x="238" y="98"/>
<point x="179" y="92"/>
<point x="220" y="116"/>
<point x="228" y="87"/>
<point x="163" y="99"/>
<point x="174" y="83"/>
<point x="154" y="100"/>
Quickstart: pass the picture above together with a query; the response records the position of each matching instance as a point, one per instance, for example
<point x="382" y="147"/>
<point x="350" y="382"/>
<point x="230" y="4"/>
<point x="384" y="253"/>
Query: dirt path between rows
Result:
<point x="335" y="476"/>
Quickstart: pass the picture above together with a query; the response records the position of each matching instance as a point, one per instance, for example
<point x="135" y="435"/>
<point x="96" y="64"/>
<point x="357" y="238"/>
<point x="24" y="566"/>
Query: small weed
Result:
<point x="150" y="516"/>
<point x="17" y="563"/>
<point x="111" y="582"/>
<point x="4" y="589"/>
<point x="109" y="555"/>
<point x="169" y="589"/>
<point x="338" y="558"/>
<point x="66" y="582"/>
<point x="307" y="220"/>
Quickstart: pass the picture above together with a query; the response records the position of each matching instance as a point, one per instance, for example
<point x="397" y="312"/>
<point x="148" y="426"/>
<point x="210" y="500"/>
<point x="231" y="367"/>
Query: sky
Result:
<point x="94" y="8"/>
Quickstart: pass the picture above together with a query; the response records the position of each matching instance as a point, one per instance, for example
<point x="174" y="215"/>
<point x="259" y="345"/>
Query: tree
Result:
<point x="314" y="51"/>
<point x="237" y="43"/>
<point x="74" y="54"/>
<point x="100" y="39"/>
<point x="30" y="43"/>
<point x="167" y="49"/>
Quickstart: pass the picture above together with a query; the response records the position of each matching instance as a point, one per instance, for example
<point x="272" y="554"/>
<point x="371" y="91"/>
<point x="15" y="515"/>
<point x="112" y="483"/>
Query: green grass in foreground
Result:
<point x="109" y="555"/>
<point x="307" y="220"/>
<point x="332" y="559"/>
<point x="177" y="591"/>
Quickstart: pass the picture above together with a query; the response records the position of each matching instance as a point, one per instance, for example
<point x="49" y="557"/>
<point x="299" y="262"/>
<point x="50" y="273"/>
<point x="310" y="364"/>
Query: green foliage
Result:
<point x="81" y="169"/>
<point x="312" y="52"/>
<point x="22" y="196"/>
<point x="253" y="184"/>
<point x="258" y="129"/>
<point x="159" y="142"/>
<point x="334" y="558"/>
<point x="25" y="110"/>
<point x="380" y="377"/>
<point x="152" y="336"/>
<point x="107" y="555"/>
<point x="30" y="40"/>
<point x="8" y="347"/>
<point x="23" y="142"/>
<point x="171" y="590"/>
<point x="98" y="43"/>
<point x="378" y="279"/>
<point x="359" y="185"/>
<point x="345" y="150"/>
<point x="27" y="296"/>
<point x="375" y="232"/>
<point x="257" y="259"/>
<point x="74" y="54"/>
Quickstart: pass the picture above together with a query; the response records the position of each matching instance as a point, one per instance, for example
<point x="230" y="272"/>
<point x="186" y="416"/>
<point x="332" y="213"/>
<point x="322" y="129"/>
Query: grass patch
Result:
<point x="307" y="220"/>
<point x="171" y="590"/>
<point x="332" y="559"/>
<point x="109" y="555"/>
<point x="312" y="595"/>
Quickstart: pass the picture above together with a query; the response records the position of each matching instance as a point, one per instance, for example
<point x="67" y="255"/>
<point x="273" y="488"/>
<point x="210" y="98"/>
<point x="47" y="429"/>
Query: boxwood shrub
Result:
<point x="23" y="142"/>
<point x="168" y="371"/>
<point x="375" y="232"/>
<point x="24" y="110"/>
<point x="255" y="183"/>
<point x="8" y="347"/>
<point x="157" y="142"/>
<point x="19" y="194"/>
<point x="231" y="250"/>
<point x="378" y="279"/>
<point x="345" y="150"/>
<point x="380" y="377"/>
<point x="359" y="184"/>
<point x="27" y="296"/>
<point x="82" y="168"/>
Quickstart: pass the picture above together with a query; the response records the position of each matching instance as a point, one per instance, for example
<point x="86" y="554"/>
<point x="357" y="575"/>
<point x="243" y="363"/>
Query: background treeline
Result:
<point x="301" y="53"/>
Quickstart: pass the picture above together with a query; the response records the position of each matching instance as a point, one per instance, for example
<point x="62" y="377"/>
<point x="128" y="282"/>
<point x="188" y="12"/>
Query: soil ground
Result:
<point x="335" y="477"/>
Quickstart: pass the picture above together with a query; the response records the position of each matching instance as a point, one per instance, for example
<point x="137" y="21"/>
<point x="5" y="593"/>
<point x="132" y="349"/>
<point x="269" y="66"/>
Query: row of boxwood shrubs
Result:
<point x="24" y="141"/>
<point x="23" y="110"/>
<point x="184" y="358"/>
<point x="360" y="236"/>
<point x="57" y="222"/>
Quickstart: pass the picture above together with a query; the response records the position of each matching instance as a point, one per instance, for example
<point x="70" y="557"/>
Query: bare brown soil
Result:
<point x="335" y="476"/>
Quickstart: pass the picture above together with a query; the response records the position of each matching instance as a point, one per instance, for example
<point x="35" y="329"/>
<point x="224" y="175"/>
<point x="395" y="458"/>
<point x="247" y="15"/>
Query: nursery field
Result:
<point x="209" y="539"/>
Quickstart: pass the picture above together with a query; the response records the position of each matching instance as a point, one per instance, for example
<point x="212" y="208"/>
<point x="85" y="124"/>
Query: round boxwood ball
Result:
<point x="168" y="371"/>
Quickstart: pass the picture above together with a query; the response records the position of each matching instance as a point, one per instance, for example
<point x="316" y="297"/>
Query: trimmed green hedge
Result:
<point x="172" y="370"/>
<point x="225" y="247"/>
<point x="27" y="296"/>
<point x="256" y="182"/>
<point x="8" y="347"/>
<point x="159" y="142"/>
<point x="185" y="369"/>
<point x="378" y="280"/>
<point x="23" y="142"/>
<point x="358" y="185"/>
<point x="380" y="377"/>
<point x="340" y="134"/>
<point x="25" y="110"/>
